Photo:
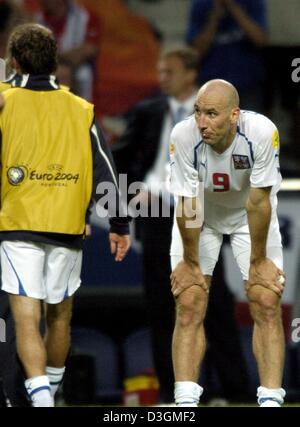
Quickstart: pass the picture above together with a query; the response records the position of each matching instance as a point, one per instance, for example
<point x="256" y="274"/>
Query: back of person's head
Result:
<point x="34" y="49"/>
<point x="187" y="55"/>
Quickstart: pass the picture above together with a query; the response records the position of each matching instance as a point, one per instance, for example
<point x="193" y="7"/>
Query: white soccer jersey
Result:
<point x="250" y="161"/>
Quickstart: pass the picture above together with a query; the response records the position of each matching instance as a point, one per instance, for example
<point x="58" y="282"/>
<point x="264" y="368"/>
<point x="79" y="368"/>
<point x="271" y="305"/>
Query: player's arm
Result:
<point x="265" y="174"/>
<point x="184" y="183"/>
<point x="188" y="272"/>
<point x="104" y="172"/>
<point x="188" y="217"/>
<point x="263" y="271"/>
<point x="259" y="215"/>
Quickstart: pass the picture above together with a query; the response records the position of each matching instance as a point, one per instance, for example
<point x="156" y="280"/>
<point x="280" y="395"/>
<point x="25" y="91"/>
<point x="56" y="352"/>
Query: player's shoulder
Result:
<point x="252" y="122"/>
<point x="255" y="126"/>
<point x="11" y="82"/>
<point x="4" y="86"/>
<point x="81" y="102"/>
<point x="8" y="92"/>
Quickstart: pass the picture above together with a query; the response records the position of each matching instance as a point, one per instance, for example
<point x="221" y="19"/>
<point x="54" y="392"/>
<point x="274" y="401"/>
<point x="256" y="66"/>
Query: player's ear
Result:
<point x="235" y="114"/>
<point x="14" y="64"/>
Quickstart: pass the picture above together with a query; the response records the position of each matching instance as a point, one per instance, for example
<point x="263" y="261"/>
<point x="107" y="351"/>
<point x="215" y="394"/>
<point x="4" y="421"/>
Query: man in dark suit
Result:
<point x="144" y="155"/>
<point x="144" y="158"/>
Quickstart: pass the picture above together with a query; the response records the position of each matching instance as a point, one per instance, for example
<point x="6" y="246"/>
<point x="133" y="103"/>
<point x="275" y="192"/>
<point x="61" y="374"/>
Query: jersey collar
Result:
<point x="36" y="82"/>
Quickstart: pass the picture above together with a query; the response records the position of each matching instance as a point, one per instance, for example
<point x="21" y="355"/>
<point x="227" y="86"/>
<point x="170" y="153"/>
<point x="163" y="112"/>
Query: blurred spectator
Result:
<point x="228" y="35"/>
<point x="127" y="55"/>
<point x="169" y="17"/>
<point x="65" y="75"/>
<point x="127" y="63"/>
<point x="143" y="155"/>
<point x="78" y="35"/>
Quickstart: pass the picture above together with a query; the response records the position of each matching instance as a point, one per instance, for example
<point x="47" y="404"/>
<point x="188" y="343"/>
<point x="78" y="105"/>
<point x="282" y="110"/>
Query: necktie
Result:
<point x="179" y="115"/>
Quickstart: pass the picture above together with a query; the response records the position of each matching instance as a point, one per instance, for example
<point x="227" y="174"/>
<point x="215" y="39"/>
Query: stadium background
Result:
<point x="111" y="340"/>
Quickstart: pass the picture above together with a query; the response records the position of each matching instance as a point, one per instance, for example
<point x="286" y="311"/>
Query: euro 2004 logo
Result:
<point x="16" y="174"/>
<point x="54" y="175"/>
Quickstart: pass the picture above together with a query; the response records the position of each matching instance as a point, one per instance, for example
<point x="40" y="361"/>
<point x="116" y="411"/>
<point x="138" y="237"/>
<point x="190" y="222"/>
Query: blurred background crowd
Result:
<point x="109" y="51"/>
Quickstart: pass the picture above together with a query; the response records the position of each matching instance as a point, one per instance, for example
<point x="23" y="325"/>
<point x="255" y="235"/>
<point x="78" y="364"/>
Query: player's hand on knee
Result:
<point x="184" y="276"/>
<point x="264" y="273"/>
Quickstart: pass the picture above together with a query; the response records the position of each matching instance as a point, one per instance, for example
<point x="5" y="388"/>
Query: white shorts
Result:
<point x="211" y="242"/>
<point x="38" y="270"/>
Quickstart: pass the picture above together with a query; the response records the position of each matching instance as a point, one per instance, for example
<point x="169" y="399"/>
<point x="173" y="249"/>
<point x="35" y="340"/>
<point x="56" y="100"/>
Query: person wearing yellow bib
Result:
<point x="53" y="157"/>
<point x="12" y="390"/>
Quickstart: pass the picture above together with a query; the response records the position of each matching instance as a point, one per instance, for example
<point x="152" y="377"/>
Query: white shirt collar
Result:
<point x="188" y="104"/>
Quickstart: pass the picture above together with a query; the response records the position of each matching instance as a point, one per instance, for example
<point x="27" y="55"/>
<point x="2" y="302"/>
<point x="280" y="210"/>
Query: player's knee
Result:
<point x="56" y="315"/>
<point x="27" y="324"/>
<point x="190" y="308"/>
<point x="263" y="297"/>
<point x="264" y="304"/>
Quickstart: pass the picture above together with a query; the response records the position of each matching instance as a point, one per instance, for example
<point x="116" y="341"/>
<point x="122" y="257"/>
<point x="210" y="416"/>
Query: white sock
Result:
<point x="187" y="393"/>
<point x="55" y="376"/>
<point x="270" y="397"/>
<point x="38" y="388"/>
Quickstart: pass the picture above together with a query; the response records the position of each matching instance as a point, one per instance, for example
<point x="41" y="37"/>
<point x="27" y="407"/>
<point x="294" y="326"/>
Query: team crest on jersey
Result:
<point x="275" y="140"/>
<point x="171" y="149"/>
<point x="240" y="162"/>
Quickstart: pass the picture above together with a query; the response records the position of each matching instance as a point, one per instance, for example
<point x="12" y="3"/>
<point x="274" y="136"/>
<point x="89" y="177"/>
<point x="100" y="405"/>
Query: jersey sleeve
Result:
<point x="104" y="172"/>
<point x="184" y="179"/>
<point x="265" y="170"/>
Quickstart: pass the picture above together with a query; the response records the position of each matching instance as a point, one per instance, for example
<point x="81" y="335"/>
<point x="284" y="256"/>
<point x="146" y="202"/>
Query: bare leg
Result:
<point x="57" y="338"/>
<point x="268" y="335"/>
<point x="30" y="346"/>
<point x="189" y="337"/>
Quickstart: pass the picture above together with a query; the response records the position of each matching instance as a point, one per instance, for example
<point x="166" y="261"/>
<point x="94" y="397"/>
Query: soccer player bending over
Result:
<point x="233" y="155"/>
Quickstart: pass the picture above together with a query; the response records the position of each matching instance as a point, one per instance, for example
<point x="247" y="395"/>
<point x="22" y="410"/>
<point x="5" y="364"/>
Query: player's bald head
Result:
<point x="222" y="91"/>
